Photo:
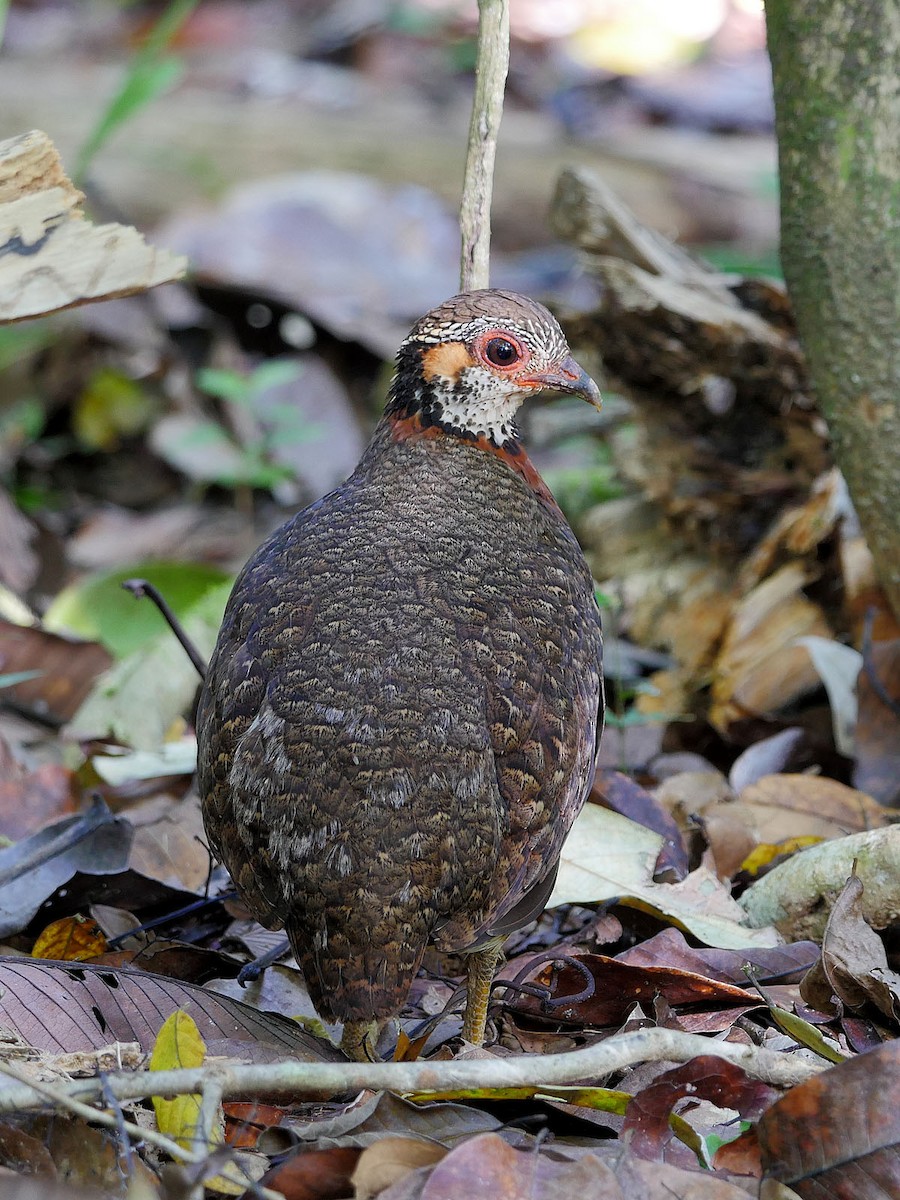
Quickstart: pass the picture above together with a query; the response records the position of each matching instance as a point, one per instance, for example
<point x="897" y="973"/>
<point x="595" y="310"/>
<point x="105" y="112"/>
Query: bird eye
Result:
<point x="501" y="352"/>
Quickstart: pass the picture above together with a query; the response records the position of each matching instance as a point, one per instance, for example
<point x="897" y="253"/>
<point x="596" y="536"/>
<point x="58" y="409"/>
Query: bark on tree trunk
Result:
<point x="837" y="105"/>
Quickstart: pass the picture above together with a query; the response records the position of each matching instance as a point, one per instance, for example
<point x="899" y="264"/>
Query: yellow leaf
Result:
<point x="767" y="852"/>
<point x="71" y="939"/>
<point x="178" y="1044"/>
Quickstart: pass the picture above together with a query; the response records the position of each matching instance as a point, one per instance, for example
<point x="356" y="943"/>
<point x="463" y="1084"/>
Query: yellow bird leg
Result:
<point x="480" y="976"/>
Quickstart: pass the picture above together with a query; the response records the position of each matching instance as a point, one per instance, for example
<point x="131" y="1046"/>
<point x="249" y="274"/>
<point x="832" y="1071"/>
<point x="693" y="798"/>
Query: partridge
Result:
<point x="398" y="724"/>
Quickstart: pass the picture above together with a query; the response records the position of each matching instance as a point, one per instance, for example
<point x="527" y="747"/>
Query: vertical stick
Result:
<point x="491" y="67"/>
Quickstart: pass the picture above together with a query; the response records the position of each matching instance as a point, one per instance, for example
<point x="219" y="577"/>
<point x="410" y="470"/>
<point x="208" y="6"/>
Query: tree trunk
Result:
<point x="836" y="66"/>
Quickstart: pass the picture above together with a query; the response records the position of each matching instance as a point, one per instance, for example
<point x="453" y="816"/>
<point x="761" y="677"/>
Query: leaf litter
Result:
<point x="749" y="845"/>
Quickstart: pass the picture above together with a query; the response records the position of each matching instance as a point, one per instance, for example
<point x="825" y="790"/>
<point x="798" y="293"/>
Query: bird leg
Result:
<point x="480" y="976"/>
<point x="358" y="1040"/>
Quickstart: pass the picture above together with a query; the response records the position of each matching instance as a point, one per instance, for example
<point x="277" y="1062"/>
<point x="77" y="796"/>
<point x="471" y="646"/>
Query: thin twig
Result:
<point x="487" y="108"/>
<point x="205" y="1127"/>
<point x="60" y="1096"/>
<point x="293" y="1078"/>
<point x="140" y="588"/>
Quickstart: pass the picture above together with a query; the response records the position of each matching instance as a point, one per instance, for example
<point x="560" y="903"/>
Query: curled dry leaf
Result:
<point x="838" y="1135"/>
<point x="761" y="668"/>
<point x="854" y="965"/>
<point x="798" y="896"/>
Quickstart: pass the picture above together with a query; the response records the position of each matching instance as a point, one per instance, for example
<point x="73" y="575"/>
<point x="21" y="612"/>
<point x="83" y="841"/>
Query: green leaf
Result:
<point x="224" y="384"/>
<point x="137" y="700"/>
<point x="149" y="74"/>
<point x="99" y="609"/>
<point x="112" y="406"/>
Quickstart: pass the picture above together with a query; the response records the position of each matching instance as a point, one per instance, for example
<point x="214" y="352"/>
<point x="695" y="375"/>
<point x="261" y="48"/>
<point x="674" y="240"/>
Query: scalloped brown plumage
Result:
<point x="398" y="724"/>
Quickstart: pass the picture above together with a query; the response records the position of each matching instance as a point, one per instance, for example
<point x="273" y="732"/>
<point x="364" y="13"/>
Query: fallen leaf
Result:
<point x="71" y="939"/>
<point x="769" y="756"/>
<point x="170" y="842"/>
<point x="314" y="1174"/>
<point x="854" y="964"/>
<point x="779" y="807"/>
<point x="669" y="948"/>
<point x="65" y="1008"/>
<point x="375" y="1114"/>
<point x="138" y="699"/>
<point x="607" y="857"/>
<point x="30" y="800"/>
<point x="621" y="794"/>
<point x="723" y="1084"/>
<point x="24" y="1152"/>
<point x="388" y="1161"/>
<point x="838" y="667"/>
<point x="178" y="1044"/>
<point x="95" y="842"/>
<point x="618" y="986"/>
<point x="760" y="668"/>
<point x="171" y="758"/>
<point x="838" y="1134"/>
<point x="99" y="608"/>
<point x="68" y="668"/>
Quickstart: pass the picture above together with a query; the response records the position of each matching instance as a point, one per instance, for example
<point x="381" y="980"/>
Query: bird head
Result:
<point x="467" y="365"/>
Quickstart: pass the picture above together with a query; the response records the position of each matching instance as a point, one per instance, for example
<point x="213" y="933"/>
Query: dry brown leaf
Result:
<point x="387" y="1161"/>
<point x="854" y="965"/>
<point x="68" y="668"/>
<point x="29" y="800"/>
<point x="67" y="1008"/>
<point x="838" y="1134"/>
<point x="778" y="807"/>
<point x="760" y="669"/>
<point x="170" y="843"/>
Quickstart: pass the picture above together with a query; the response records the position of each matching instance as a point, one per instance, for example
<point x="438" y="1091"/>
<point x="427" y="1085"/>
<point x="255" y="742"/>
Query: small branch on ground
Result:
<point x="290" y="1078"/>
<point x="487" y="108"/>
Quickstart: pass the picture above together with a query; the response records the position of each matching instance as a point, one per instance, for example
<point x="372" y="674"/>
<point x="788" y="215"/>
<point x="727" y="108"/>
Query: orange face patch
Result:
<point x="446" y="359"/>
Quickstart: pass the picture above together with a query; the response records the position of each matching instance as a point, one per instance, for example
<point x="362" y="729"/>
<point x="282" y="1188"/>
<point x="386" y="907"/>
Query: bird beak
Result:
<point x="568" y="377"/>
